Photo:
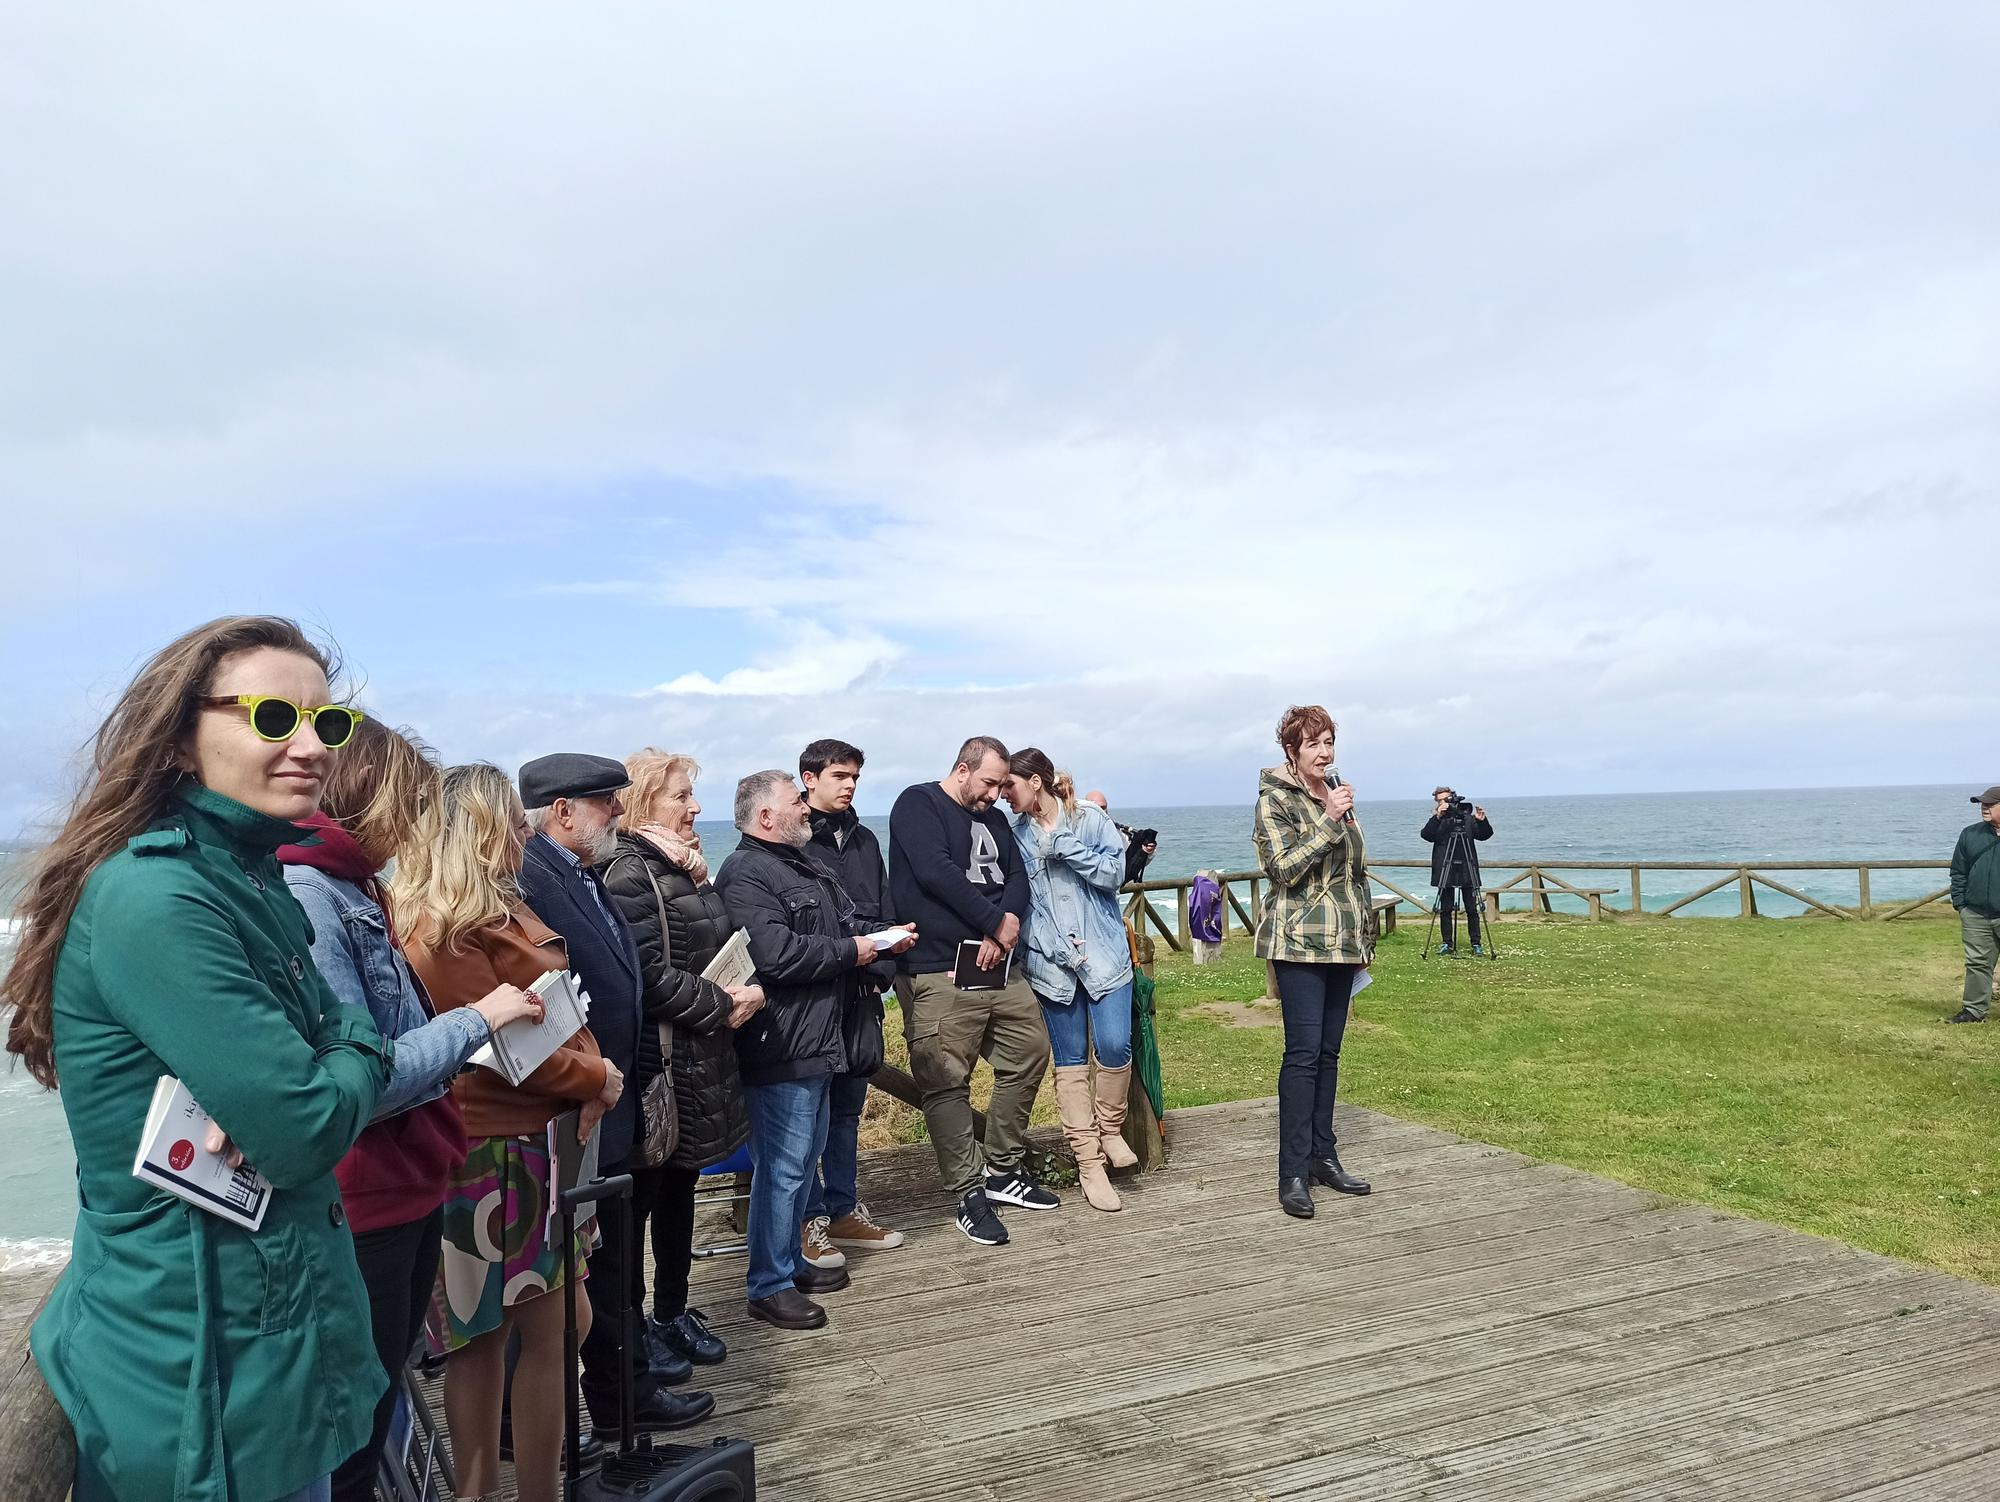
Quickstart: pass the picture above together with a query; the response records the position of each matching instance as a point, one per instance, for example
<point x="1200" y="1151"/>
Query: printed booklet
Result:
<point x="523" y="1046"/>
<point x="173" y="1155"/>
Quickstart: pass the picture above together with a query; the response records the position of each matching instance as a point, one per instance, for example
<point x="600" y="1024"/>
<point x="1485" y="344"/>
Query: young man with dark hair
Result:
<point x="835" y="1216"/>
<point x="958" y="876"/>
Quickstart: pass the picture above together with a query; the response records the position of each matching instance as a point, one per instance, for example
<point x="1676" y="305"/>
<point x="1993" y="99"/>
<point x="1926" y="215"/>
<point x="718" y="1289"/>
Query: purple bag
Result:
<point x="1205" y="911"/>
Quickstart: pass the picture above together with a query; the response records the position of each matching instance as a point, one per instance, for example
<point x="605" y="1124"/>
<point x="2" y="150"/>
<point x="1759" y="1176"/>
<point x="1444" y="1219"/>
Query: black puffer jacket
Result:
<point x="642" y="882"/>
<point x="802" y="928"/>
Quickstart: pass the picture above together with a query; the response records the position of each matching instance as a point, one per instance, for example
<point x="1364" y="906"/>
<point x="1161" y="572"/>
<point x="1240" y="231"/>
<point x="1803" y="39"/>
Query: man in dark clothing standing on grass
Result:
<point x="835" y="1216"/>
<point x="1452" y="827"/>
<point x="1975" y="892"/>
<point x="958" y="876"/>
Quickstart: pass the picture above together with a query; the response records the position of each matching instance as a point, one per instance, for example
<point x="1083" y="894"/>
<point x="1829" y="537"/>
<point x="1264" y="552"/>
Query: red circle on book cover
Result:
<point x="180" y="1155"/>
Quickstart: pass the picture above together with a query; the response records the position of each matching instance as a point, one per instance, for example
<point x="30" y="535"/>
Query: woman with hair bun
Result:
<point x="1317" y="929"/>
<point x="1079" y="962"/>
<point x="196" y="1359"/>
<point x="381" y="802"/>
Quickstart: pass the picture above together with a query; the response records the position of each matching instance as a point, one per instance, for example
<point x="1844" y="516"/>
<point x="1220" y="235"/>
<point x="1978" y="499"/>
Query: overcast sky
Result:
<point x="1571" y="397"/>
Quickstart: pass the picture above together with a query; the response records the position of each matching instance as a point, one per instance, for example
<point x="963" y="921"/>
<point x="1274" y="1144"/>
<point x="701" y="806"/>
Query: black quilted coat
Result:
<point x="707" y="1088"/>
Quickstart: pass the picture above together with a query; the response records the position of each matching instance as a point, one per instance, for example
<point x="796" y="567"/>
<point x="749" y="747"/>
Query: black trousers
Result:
<point x="1313" y="999"/>
<point x="1451" y="898"/>
<point x="399" y="1264"/>
<point x="619" y="1260"/>
<point x="673" y="1240"/>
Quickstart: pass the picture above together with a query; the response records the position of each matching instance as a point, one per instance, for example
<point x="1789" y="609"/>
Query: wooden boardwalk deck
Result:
<point x="1483" y="1327"/>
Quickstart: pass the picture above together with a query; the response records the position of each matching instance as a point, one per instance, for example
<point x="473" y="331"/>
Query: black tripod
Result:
<point x="1458" y="856"/>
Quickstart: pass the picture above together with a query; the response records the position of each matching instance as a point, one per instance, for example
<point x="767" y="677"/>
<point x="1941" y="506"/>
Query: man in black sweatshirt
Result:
<point x="956" y="873"/>
<point x="835" y="1216"/>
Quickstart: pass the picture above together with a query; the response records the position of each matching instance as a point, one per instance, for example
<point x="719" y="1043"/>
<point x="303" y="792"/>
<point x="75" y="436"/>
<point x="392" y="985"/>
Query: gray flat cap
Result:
<point x="570" y="774"/>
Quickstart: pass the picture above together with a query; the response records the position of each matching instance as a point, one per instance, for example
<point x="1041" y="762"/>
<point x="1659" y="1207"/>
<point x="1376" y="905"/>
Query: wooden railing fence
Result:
<point x="1542" y="881"/>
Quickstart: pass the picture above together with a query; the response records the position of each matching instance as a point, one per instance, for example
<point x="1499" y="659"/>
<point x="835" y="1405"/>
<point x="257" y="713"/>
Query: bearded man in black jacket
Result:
<point x="835" y="1216"/>
<point x="807" y="941"/>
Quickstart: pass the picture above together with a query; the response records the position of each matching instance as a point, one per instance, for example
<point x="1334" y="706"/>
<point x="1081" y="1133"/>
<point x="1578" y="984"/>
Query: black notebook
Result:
<point x="967" y="976"/>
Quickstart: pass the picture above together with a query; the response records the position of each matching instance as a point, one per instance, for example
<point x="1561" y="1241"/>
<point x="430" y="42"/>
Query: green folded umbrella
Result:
<point x="1145" y="1043"/>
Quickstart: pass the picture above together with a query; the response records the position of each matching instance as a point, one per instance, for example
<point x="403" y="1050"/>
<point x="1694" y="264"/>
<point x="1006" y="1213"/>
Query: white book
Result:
<point x="523" y="1046"/>
<point x="173" y="1155"/>
<point x="731" y="965"/>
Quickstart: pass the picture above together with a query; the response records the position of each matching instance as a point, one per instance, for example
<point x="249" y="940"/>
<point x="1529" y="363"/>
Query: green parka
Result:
<point x="197" y="1361"/>
<point x="1319" y="909"/>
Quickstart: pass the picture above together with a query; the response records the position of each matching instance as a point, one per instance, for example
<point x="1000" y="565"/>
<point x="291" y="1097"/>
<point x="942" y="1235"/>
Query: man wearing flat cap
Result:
<point x="572" y="803"/>
<point x="1975" y="892"/>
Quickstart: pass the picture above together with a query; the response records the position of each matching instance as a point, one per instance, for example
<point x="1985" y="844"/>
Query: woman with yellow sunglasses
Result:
<point x="196" y="1359"/>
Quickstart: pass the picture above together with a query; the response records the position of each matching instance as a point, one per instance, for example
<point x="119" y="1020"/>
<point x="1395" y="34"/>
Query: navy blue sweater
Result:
<point x="953" y="873"/>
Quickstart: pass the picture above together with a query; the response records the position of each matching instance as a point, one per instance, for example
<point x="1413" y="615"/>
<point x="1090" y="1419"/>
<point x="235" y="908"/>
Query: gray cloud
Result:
<point x="1620" y="380"/>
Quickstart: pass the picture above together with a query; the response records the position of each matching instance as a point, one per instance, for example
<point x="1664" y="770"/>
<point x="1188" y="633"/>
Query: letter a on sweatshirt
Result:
<point x="984" y="867"/>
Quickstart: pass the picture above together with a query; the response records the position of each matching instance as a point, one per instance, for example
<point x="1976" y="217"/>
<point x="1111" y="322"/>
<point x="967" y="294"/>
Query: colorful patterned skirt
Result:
<point x="497" y="1251"/>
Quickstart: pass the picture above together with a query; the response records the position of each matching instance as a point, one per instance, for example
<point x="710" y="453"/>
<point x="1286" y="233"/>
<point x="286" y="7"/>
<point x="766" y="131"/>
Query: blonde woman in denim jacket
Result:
<point x="1079" y="964"/>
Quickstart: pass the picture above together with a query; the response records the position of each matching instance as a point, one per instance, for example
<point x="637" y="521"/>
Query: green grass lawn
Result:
<point x="1796" y="1071"/>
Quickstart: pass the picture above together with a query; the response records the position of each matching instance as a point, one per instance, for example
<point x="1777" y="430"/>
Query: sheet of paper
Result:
<point x="173" y="1155"/>
<point x="887" y="937"/>
<point x="731" y="965"/>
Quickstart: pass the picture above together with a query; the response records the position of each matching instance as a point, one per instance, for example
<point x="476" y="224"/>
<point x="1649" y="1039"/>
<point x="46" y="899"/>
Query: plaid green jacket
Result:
<point x="1318" y="909"/>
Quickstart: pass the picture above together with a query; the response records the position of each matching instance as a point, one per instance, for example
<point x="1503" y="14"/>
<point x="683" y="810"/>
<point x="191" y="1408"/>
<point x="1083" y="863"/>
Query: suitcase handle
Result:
<point x="618" y="1185"/>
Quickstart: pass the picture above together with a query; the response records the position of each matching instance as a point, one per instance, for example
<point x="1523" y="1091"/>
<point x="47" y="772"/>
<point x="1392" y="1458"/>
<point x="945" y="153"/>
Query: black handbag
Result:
<point x="659" y="1112"/>
<point x="861" y="1031"/>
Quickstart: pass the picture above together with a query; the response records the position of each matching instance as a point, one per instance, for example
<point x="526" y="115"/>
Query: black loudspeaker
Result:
<point x="725" y="1471"/>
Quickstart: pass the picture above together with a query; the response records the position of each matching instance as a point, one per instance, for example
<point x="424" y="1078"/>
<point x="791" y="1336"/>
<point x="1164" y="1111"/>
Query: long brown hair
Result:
<point x="135" y="764"/>
<point x="383" y="790"/>
<point x="1031" y="761"/>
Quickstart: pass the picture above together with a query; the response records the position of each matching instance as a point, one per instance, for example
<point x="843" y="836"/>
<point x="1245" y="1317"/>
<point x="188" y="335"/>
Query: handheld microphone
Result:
<point x="1333" y="781"/>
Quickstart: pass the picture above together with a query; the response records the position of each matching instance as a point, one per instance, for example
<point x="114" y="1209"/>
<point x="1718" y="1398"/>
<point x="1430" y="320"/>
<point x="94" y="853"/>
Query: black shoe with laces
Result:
<point x="977" y="1220"/>
<point x="1964" y="1014"/>
<point x="1017" y="1187"/>
<point x="687" y="1335"/>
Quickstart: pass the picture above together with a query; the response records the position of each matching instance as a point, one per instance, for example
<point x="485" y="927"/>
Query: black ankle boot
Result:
<point x="1328" y="1171"/>
<point x="1296" y="1198"/>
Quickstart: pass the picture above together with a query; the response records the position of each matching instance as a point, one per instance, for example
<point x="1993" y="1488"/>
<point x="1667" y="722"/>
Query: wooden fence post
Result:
<point x="1181" y="919"/>
<point x="1636" y="907"/>
<point x="1867" y="907"/>
<point x="1749" y="894"/>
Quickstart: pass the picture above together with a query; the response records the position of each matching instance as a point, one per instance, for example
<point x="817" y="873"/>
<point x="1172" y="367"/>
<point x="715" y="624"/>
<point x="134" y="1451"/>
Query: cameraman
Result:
<point x="1452" y="816"/>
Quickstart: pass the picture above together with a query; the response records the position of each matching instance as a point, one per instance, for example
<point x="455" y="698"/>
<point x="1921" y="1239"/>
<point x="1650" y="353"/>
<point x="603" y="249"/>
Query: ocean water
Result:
<point x="37" y="1189"/>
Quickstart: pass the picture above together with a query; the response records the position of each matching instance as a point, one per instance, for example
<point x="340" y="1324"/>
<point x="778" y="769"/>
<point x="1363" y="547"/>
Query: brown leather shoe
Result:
<point x="812" y="1279"/>
<point x="788" y="1309"/>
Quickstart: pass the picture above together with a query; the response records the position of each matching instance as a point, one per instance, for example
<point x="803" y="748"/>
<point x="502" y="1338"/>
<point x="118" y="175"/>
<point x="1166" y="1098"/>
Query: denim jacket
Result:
<point x="352" y="952"/>
<point x="1076" y="935"/>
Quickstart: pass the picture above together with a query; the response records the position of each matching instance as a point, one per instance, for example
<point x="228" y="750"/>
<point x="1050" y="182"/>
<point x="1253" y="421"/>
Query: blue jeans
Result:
<point x="1074" y="1023"/>
<point x="787" y="1135"/>
<point x="836" y="1177"/>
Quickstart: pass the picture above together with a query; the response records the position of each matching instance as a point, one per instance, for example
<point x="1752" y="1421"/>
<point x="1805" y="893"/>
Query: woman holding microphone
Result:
<point x="1317" y="930"/>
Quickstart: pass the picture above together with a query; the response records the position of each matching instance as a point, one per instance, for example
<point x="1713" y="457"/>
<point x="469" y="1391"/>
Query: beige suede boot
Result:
<point x="1111" y="1088"/>
<point x="1080" y="1128"/>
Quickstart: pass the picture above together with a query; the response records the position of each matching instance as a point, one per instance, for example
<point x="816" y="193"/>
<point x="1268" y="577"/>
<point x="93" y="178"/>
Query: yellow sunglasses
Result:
<point x="276" y="719"/>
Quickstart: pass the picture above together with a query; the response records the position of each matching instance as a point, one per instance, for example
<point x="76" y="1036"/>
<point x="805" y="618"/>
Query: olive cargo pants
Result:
<point x="948" y="1030"/>
<point x="1982" y="947"/>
